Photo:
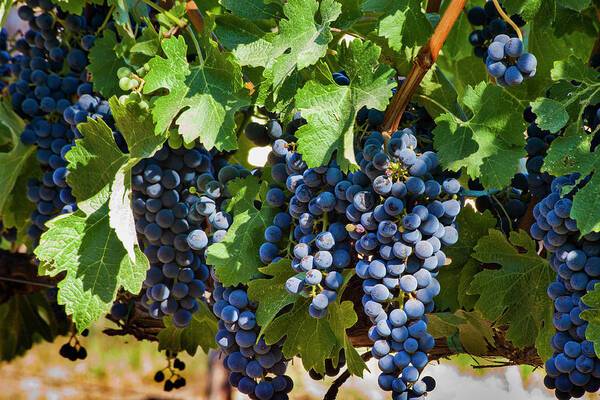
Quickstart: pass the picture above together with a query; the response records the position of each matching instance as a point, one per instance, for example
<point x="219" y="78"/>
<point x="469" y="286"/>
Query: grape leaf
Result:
<point x="312" y="339"/>
<point x="14" y="162"/>
<point x="97" y="164"/>
<point x="200" y="333"/>
<point x="270" y="293"/>
<point x="17" y="209"/>
<point x="586" y="92"/>
<point x="592" y="316"/>
<point x="250" y="44"/>
<point x="202" y="99"/>
<point x="235" y="259"/>
<point x="473" y="225"/>
<point x="252" y="9"/>
<point x="26" y="319"/>
<point x="124" y="10"/>
<point x="490" y="144"/>
<point x="104" y="64"/>
<point x="515" y="293"/>
<point x="93" y="162"/>
<point x="548" y="52"/>
<point x="87" y="249"/>
<point x="550" y="114"/>
<point x="405" y="25"/>
<point x="437" y="94"/>
<point x="302" y="39"/>
<point x="341" y="316"/>
<point x="331" y="109"/>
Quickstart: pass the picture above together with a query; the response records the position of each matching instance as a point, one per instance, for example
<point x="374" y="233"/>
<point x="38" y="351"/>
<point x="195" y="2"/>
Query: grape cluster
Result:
<point x="46" y="73"/>
<point x="256" y="368"/>
<point x="507" y="62"/>
<point x="492" y="25"/>
<point x="574" y="368"/>
<point x="174" y="380"/>
<point x="73" y="350"/>
<point x="177" y="198"/>
<point x="400" y="223"/>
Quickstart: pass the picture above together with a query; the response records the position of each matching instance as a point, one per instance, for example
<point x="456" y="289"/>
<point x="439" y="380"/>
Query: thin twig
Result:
<point x="340" y="380"/>
<point x="423" y="62"/>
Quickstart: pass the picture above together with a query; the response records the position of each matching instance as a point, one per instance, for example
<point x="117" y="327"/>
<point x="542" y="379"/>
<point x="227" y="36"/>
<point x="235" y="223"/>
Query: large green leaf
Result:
<point x="105" y="61"/>
<point x="331" y="109"/>
<point x="202" y="99"/>
<point x="95" y="263"/>
<point x="515" y="294"/>
<point x="491" y="143"/>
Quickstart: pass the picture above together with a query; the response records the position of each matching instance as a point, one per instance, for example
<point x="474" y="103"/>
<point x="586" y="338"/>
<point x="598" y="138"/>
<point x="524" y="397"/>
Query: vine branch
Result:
<point x="423" y="62"/>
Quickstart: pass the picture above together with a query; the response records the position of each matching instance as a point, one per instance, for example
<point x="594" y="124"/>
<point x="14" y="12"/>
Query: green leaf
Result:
<point x="437" y="94"/>
<point x="96" y="164"/>
<point x="202" y="99"/>
<point x="148" y="44"/>
<point x="405" y="25"/>
<point x="235" y="259"/>
<point x="331" y="109"/>
<point x="314" y="340"/>
<point x="473" y="226"/>
<point x="250" y="44"/>
<point x="515" y="293"/>
<point x="270" y="293"/>
<point x="104" y="64"/>
<point x="551" y="115"/>
<point x="13" y="164"/>
<point x="200" y="333"/>
<point x="341" y="316"/>
<point x="93" y="162"/>
<point x="125" y="10"/>
<point x="18" y="209"/>
<point x="490" y="144"/>
<point x="87" y="249"/>
<point x="252" y="9"/>
<point x="26" y="319"/>
<point x="303" y="37"/>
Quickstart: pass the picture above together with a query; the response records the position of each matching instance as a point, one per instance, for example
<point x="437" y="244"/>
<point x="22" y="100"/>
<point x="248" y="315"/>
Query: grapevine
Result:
<point x="304" y="184"/>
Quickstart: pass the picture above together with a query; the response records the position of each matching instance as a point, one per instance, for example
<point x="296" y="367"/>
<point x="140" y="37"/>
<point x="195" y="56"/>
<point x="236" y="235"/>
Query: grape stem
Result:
<point x="422" y="64"/>
<point x="506" y="18"/>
